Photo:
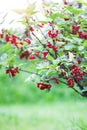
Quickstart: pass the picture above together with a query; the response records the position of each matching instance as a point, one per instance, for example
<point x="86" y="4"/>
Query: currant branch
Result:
<point x="43" y="45"/>
<point x="30" y="72"/>
<point x="56" y="53"/>
<point x="74" y="89"/>
<point x="77" y="92"/>
<point x="38" y="40"/>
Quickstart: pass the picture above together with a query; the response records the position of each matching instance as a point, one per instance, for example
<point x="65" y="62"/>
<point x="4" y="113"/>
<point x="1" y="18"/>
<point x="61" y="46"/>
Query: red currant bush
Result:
<point x="52" y="51"/>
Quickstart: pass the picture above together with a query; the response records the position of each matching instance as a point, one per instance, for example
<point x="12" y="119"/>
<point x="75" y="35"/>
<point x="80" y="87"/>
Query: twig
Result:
<point x="43" y="44"/>
<point x="77" y="91"/>
<point x="30" y="72"/>
<point x="47" y="80"/>
<point x="73" y="89"/>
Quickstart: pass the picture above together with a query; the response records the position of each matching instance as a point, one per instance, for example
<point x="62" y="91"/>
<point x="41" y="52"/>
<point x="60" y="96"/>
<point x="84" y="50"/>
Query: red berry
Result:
<point x="28" y="40"/>
<point x="65" y="2"/>
<point x="7" y="38"/>
<point x="25" y="54"/>
<point x="70" y="82"/>
<point x="26" y="34"/>
<point x="49" y="45"/>
<point x="45" y="53"/>
<point x="56" y="80"/>
<point x="12" y="71"/>
<point x="79" y="61"/>
<point x="32" y="57"/>
<point x="22" y="56"/>
<point x="17" y="70"/>
<point x="80" y="34"/>
<point x="43" y="86"/>
<point x="74" y="66"/>
<point x="31" y="28"/>
<point x="21" y="42"/>
<point x="37" y="53"/>
<point x="63" y="73"/>
<point x="55" y="48"/>
<point x="1" y="35"/>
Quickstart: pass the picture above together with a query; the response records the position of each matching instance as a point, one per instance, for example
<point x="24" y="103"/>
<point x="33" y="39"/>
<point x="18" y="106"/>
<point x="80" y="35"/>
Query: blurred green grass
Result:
<point x="56" y="116"/>
<point x="16" y="90"/>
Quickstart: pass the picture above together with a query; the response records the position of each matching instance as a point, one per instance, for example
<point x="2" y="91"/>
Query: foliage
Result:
<point x="52" y="51"/>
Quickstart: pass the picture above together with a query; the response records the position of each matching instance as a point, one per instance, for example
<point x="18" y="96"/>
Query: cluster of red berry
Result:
<point x="15" y="40"/>
<point x="77" y="73"/>
<point x="70" y="82"/>
<point x="43" y="86"/>
<point x="12" y="71"/>
<point x="32" y="55"/>
<point x="53" y="33"/>
<point x="75" y="29"/>
<point x="52" y="46"/>
<point x="25" y="55"/>
<point x="82" y="34"/>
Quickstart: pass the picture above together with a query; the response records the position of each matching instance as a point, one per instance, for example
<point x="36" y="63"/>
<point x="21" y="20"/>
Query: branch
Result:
<point x="47" y="41"/>
<point x="46" y="59"/>
<point x="43" y="34"/>
<point x="81" y="94"/>
<point x="47" y="80"/>
<point x="38" y="40"/>
<point x="79" y="85"/>
<point x="56" y="54"/>
<point x="43" y="45"/>
<point x="30" y="72"/>
<point x="77" y="92"/>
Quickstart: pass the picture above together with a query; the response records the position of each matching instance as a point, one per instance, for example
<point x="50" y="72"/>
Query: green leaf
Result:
<point x="69" y="47"/>
<point x="56" y="15"/>
<point x="73" y="10"/>
<point x="43" y="65"/>
<point x="51" y="73"/>
<point x="85" y="43"/>
<point x="80" y="48"/>
<point x="43" y="22"/>
<point x="32" y="77"/>
<point x="5" y="47"/>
